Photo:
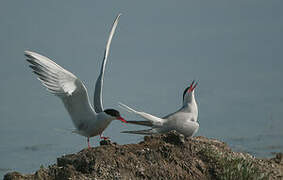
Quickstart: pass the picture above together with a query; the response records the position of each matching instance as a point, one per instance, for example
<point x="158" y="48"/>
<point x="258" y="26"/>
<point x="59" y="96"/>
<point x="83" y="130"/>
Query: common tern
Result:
<point x="89" y="121"/>
<point x="183" y="121"/>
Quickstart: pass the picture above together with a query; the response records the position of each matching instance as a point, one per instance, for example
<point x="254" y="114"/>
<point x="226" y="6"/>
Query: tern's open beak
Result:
<point x="192" y="86"/>
<point x="122" y="119"/>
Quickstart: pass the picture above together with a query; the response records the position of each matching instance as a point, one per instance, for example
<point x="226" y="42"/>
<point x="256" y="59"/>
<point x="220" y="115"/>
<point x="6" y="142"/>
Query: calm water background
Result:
<point x="233" y="48"/>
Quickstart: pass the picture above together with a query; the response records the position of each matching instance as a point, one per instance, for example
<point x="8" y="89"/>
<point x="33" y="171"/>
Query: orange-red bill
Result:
<point x="122" y="119"/>
<point x="192" y="86"/>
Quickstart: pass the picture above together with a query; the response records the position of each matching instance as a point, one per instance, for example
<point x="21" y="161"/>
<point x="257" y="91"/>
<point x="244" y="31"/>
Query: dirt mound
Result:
<point x="168" y="156"/>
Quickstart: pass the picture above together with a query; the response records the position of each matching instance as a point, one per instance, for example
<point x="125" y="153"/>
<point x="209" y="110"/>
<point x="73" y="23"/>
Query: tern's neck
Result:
<point x="190" y="104"/>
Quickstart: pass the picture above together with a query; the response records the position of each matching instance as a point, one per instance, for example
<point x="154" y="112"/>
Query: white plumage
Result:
<point x="183" y="121"/>
<point x="88" y="121"/>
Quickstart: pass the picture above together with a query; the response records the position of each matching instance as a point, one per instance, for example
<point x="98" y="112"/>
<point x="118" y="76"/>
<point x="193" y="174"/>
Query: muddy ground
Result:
<point x="168" y="156"/>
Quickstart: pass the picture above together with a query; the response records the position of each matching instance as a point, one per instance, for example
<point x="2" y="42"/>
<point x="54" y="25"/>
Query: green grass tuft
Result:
<point x="225" y="167"/>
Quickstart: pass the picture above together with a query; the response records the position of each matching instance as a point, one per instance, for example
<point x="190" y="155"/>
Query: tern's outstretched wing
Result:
<point x="57" y="80"/>
<point x="64" y="84"/>
<point x="155" y="121"/>
<point x="97" y="101"/>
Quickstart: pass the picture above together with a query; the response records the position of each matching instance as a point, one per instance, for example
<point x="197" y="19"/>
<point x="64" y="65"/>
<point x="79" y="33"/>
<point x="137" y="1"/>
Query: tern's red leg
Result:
<point x="88" y="142"/>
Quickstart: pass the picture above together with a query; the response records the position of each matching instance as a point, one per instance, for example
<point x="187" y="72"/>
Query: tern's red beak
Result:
<point x="192" y="86"/>
<point x="122" y="119"/>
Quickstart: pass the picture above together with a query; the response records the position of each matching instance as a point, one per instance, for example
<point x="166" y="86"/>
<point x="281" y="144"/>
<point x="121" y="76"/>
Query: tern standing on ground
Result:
<point x="88" y="121"/>
<point x="183" y="121"/>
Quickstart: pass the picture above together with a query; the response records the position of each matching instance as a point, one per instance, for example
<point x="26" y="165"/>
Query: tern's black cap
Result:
<point x="112" y="112"/>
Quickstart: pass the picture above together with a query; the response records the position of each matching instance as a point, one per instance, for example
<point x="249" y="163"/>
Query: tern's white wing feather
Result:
<point x="97" y="102"/>
<point x="65" y="85"/>
<point x="57" y="80"/>
<point x="155" y="120"/>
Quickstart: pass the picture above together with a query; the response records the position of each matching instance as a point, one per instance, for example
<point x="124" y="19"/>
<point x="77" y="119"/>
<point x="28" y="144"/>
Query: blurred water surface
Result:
<point x="232" y="48"/>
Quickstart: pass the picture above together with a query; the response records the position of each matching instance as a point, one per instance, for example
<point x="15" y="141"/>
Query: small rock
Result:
<point x="13" y="175"/>
<point x="174" y="138"/>
<point x="106" y="142"/>
<point x="278" y="158"/>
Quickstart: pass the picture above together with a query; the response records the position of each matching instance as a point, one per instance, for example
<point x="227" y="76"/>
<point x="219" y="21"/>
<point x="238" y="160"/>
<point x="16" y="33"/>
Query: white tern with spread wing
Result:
<point x="88" y="121"/>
